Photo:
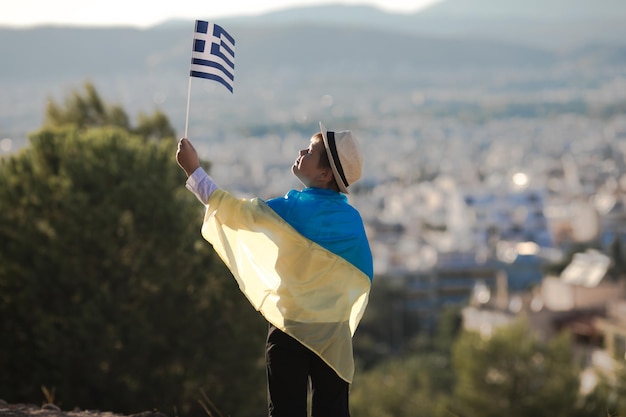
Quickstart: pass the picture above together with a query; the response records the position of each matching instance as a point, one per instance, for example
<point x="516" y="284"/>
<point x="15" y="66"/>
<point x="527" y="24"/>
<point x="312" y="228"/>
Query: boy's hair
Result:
<point x="324" y="162"/>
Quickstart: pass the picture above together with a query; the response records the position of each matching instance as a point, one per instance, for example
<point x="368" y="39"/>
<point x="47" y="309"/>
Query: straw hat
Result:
<point x="344" y="156"/>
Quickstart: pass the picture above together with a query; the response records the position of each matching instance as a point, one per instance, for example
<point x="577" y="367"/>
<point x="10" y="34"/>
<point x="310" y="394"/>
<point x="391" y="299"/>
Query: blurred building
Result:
<point x="587" y="299"/>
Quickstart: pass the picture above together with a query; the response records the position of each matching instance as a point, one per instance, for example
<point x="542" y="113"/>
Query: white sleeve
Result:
<point x="201" y="185"/>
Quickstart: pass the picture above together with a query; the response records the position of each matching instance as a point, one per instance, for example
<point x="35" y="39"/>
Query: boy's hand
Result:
<point x="187" y="157"/>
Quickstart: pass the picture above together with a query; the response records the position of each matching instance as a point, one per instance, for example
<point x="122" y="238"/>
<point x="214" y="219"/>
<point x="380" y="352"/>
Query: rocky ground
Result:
<point x="51" y="410"/>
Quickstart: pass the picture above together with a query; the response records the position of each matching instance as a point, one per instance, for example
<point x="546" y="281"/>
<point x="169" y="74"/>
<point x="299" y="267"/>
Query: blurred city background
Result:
<point x="494" y="137"/>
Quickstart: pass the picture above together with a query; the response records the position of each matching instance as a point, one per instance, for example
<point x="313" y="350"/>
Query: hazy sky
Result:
<point x="147" y="12"/>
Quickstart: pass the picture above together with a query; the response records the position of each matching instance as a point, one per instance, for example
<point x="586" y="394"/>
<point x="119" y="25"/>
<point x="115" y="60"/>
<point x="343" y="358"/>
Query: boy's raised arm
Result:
<point x="187" y="157"/>
<point x="198" y="181"/>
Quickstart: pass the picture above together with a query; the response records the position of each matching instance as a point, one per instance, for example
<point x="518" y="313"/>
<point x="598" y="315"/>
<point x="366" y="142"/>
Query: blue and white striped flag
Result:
<point x="213" y="54"/>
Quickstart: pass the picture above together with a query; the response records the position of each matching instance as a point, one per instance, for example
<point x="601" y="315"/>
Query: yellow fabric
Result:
<point x="306" y="291"/>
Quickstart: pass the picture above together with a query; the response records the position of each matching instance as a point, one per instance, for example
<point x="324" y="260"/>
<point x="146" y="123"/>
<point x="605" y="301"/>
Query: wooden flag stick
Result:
<point x="187" y="115"/>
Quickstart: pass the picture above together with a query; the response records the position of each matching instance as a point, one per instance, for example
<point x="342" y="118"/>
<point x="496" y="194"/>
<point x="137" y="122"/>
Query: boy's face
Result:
<point x="306" y="167"/>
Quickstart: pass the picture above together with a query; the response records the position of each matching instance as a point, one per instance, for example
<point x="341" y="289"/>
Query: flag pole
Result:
<point x="187" y="115"/>
<point x="189" y="86"/>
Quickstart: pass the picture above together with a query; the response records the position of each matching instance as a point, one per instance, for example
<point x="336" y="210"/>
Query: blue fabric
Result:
<point x="326" y="218"/>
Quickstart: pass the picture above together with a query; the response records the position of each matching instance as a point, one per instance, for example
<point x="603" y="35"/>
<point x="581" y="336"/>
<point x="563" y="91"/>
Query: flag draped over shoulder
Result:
<point x="303" y="289"/>
<point x="213" y="54"/>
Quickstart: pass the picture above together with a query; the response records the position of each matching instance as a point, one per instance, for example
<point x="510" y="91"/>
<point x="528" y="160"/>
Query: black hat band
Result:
<point x="333" y="151"/>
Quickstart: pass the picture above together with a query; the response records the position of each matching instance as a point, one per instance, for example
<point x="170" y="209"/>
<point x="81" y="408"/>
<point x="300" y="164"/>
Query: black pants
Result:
<point x="289" y="367"/>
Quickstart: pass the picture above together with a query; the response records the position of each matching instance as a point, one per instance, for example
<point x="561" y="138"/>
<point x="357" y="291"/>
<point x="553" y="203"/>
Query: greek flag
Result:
<point x="213" y="54"/>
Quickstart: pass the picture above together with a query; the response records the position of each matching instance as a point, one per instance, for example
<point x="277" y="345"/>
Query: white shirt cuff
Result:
<point x="201" y="184"/>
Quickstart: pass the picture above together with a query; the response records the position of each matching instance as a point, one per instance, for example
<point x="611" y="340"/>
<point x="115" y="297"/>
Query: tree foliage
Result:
<point x="609" y="395"/>
<point x="416" y="384"/>
<point x="468" y="375"/>
<point x="512" y="373"/>
<point x="108" y="294"/>
<point x="87" y="109"/>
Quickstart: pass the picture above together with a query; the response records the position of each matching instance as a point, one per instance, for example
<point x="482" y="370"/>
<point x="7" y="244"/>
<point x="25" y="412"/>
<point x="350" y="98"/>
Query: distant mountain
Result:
<point x="48" y="52"/>
<point x="452" y="34"/>
<point x="556" y="10"/>
<point x="336" y="14"/>
<point x="529" y="9"/>
<point x="551" y="24"/>
<point x="547" y="24"/>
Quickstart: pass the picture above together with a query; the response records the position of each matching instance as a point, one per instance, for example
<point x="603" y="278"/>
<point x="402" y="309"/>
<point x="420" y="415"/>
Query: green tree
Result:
<point x="87" y="109"/>
<point x="403" y="387"/>
<point x="417" y="384"/>
<point x="156" y="126"/>
<point x="609" y="396"/>
<point x="514" y="374"/>
<point x="108" y="294"/>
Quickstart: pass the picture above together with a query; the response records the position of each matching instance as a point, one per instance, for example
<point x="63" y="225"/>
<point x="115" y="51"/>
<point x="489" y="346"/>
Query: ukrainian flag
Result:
<point x="308" y="292"/>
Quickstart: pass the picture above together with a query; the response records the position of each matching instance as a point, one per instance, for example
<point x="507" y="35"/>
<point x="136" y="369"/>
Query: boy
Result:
<point x="303" y="261"/>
